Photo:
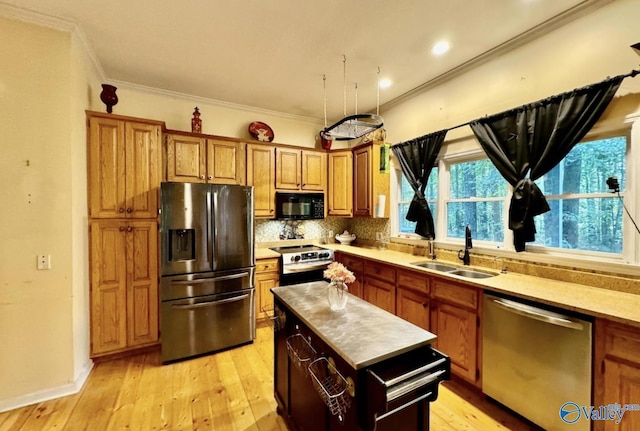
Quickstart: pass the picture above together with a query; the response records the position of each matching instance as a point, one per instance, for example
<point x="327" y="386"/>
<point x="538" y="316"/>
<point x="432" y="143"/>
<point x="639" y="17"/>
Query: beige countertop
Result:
<point x="610" y="304"/>
<point x="265" y="253"/>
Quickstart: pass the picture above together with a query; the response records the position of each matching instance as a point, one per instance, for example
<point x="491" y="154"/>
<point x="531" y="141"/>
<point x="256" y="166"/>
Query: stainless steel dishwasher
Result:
<point x="535" y="359"/>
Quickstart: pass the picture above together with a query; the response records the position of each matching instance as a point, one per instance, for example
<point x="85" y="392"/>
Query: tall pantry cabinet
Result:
<point x="124" y="172"/>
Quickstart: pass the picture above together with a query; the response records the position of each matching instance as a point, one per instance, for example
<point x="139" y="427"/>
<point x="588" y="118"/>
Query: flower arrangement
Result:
<point x="337" y="271"/>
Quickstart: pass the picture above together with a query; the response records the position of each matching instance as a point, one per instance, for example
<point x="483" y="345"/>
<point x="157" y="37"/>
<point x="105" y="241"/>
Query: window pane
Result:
<point x="593" y="224"/>
<point x="586" y="168"/>
<point x="484" y="218"/>
<point x="478" y="179"/>
<point x="406" y="196"/>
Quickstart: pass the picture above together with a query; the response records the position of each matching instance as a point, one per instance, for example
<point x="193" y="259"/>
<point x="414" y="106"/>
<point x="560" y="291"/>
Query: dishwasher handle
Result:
<point x="538" y="314"/>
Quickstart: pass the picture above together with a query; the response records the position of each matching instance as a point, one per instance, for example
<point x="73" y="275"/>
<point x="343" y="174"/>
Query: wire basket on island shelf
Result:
<point x="300" y="352"/>
<point x="331" y="386"/>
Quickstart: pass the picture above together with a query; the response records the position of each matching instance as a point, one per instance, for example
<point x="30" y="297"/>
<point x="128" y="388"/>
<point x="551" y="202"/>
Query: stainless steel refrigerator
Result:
<point x="207" y="266"/>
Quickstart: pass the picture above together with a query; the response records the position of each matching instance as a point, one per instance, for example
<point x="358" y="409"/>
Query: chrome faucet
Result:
<point x="432" y="249"/>
<point x="463" y="255"/>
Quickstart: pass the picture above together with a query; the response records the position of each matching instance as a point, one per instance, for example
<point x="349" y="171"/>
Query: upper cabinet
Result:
<point x="125" y="167"/>
<point x="193" y="158"/>
<point x="340" y="192"/>
<point x="260" y="175"/>
<point x="300" y="169"/>
<point x="368" y="181"/>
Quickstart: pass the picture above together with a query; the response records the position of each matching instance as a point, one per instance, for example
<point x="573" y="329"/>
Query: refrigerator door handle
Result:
<point x="210" y="303"/>
<point x="208" y="280"/>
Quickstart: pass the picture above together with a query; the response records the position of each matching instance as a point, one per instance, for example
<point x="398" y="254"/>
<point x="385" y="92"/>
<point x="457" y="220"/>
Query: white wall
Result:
<point x="583" y="52"/>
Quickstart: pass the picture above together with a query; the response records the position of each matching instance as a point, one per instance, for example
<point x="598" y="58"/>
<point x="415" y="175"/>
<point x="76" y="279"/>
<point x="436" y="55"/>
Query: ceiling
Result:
<point x="273" y="54"/>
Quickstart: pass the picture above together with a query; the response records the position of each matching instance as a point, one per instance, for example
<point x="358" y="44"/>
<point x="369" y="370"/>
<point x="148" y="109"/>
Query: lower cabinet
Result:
<point x="267" y="277"/>
<point x="454" y="318"/>
<point x="380" y="285"/>
<point x="412" y="298"/>
<point x="124" y="285"/>
<point x="617" y="372"/>
<point x="355" y="265"/>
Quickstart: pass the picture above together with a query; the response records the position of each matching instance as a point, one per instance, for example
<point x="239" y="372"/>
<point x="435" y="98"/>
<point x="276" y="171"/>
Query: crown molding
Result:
<point x="578" y="11"/>
<point x="214" y="102"/>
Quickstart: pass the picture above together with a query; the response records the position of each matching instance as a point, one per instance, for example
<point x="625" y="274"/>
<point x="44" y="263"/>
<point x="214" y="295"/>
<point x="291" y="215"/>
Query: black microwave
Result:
<point x="299" y="206"/>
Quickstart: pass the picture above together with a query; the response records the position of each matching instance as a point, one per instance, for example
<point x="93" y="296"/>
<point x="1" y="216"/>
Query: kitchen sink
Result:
<point x="435" y="266"/>
<point x="472" y="273"/>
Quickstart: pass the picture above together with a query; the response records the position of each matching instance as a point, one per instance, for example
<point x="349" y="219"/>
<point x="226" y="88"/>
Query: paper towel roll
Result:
<point x="381" y="203"/>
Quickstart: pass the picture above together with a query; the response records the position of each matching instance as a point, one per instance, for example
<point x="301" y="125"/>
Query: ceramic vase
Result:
<point x="337" y="295"/>
<point x="108" y="96"/>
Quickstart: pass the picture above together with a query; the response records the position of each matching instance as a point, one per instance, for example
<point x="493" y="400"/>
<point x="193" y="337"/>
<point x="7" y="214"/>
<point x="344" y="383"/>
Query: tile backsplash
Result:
<point x="364" y="228"/>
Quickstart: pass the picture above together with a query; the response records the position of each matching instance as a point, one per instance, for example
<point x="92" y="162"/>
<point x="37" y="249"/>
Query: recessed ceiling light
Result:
<point x="385" y="83"/>
<point x="440" y="48"/>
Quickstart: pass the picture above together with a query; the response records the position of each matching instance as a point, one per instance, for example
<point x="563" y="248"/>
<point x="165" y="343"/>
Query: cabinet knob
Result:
<point x="121" y="229"/>
<point x="120" y="210"/>
<point x="129" y="210"/>
<point x="202" y="177"/>
<point x="210" y="177"/>
<point x="129" y="229"/>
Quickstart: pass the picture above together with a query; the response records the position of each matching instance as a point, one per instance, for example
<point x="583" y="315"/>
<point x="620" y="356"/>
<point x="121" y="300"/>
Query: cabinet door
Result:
<point x="457" y="334"/>
<point x="622" y="386"/>
<point x="226" y="162"/>
<point x="340" y="191"/>
<point x="106" y="168"/>
<point x="260" y="175"/>
<point x="142" y="282"/>
<point x="357" y="287"/>
<point x="380" y="293"/>
<point x="143" y="169"/>
<point x="186" y="159"/>
<point x="108" y="286"/>
<point x="288" y="163"/>
<point x="413" y="307"/>
<point x="362" y="182"/>
<point x="267" y="276"/>
<point x="314" y="171"/>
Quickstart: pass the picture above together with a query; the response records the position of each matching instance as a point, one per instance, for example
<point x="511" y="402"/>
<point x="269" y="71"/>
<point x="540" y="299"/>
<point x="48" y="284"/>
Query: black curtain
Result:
<point x="533" y="139"/>
<point x="416" y="158"/>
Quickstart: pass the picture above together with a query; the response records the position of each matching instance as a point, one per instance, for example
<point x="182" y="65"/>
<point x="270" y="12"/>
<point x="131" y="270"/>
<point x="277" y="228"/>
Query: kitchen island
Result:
<point x="358" y="369"/>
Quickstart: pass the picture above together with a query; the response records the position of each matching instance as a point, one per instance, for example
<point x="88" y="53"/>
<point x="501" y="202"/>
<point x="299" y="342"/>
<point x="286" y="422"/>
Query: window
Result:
<point x="477" y="194"/>
<point x="405" y="195"/>
<point x="584" y="214"/>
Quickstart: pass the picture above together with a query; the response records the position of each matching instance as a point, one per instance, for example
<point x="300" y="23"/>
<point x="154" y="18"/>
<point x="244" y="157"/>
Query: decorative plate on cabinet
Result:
<point x="261" y="131"/>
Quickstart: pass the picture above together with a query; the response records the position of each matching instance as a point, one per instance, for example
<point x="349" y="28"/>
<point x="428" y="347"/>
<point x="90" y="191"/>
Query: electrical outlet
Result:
<point x="44" y="261"/>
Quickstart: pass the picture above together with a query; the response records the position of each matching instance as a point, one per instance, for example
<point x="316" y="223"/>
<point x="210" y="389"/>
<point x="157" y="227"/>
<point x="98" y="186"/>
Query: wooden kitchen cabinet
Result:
<point x="267" y="276"/>
<point x="124" y="285"/>
<point x="454" y="318"/>
<point x="380" y="285"/>
<point x="340" y="190"/>
<point x="355" y="265"/>
<point x="260" y="175"/>
<point x="124" y="166"/>
<point x="412" y="298"/>
<point x="368" y="181"/>
<point x="617" y="372"/>
<point x="300" y="169"/>
<point x="198" y="159"/>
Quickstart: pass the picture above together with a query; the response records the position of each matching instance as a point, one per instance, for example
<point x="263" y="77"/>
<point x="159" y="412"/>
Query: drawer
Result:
<point x="455" y="293"/>
<point x="414" y="281"/>
<point x="353" y="264"/>
<point x="378" y="270"/>
<point x="267" y="265"/>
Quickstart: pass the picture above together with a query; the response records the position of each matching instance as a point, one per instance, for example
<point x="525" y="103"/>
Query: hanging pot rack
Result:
<point x="351" y="126"/>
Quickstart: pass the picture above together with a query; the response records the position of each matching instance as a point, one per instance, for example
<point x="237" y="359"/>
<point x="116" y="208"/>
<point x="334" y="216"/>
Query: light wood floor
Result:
<point x="231" y="390"/>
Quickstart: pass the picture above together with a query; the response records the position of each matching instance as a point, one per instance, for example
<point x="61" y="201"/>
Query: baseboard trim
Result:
<point x="48" y="394"/>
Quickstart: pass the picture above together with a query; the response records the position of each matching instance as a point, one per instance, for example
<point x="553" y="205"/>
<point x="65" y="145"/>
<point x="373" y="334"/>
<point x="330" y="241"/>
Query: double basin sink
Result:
<point x="454" y="270"/>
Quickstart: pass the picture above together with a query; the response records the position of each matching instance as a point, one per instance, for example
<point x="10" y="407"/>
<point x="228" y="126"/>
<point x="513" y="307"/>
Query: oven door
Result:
<point x="295" y="273"/>
<point x="204" y="324"/>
